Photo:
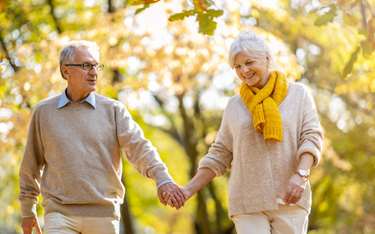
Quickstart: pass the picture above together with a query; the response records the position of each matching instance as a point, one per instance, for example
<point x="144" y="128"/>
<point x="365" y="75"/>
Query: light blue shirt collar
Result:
<point x="65" y="100"/>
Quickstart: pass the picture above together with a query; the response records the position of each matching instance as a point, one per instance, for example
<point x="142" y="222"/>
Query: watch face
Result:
<point x="302" y="172"/>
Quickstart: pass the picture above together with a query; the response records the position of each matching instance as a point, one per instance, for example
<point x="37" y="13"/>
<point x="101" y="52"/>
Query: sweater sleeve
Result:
<point x="220" y="155"/>
<point x="139" y="151"/>
<point x="31" y="169"/>
<point x="311" y="139"/>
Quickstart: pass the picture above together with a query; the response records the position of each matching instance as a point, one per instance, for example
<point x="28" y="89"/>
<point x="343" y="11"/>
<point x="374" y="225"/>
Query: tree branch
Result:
<point x="3" y="47"/>
<point x="173" y="130"/>
<point x="363" y="11"/>
<point x="52" y="7"/>
<point x="369" y="7"/>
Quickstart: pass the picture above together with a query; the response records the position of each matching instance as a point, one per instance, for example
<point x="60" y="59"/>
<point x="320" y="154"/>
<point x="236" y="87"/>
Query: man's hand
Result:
<point x="177" y="195"/>
<point x="29" y="223"/>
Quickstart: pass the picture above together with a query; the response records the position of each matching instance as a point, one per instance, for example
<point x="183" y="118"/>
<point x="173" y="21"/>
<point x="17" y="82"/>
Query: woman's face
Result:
<point x="252" y="71"/>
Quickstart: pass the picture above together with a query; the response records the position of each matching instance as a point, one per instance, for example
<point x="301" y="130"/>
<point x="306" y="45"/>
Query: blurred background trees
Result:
<point x="174" y="78"/>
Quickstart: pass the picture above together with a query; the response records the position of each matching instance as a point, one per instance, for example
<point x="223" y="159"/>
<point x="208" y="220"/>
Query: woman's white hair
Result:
<point x="251" y="44"/>
<point x="67" y="52"/>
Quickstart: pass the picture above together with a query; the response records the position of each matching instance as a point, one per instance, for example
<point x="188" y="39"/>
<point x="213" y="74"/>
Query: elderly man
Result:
<point x="72" y="155"/>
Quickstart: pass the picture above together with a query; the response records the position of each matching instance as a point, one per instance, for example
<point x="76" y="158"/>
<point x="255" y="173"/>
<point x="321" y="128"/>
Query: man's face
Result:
<point x="81" y="82"/>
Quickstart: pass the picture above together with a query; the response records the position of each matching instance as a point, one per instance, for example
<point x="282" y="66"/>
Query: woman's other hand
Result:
<point x="295" y="189"/>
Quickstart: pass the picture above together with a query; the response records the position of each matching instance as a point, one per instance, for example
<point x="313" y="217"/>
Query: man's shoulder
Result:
<point x="49" y="102"/>
<point x="108" y="102"/>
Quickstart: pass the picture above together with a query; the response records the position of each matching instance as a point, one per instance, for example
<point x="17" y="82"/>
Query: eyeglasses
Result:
<point x="88" y="66"/>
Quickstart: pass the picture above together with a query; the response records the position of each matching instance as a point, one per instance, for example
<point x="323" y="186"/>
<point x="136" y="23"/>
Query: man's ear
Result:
<point x="65" y="71"/>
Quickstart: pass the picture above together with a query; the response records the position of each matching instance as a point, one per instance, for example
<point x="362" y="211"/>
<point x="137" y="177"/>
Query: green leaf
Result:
<point x="366" y="49"/>
<point x="371" y="27"/>
<point x="355" y="3"/>
<point x="140" y="2"/>
<point x="327" y="17"/>
<point x="350" y="19"/>
<point x="362" y="31"/>
<point x="324" y="19"/>
<point x="215" y="13"/>
<point x="206" y="24"/>
<point x="348" y="69"/>
<point x="182" y="15"/>
<point x="178" y="16"/>
<point x="139" y="10"/>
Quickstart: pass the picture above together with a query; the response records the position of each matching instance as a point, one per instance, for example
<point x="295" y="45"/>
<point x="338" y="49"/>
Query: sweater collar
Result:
<point x="65" y="100"/>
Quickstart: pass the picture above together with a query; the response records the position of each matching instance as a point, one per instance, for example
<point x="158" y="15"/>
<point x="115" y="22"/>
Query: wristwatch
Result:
<point x="303" y="173"/>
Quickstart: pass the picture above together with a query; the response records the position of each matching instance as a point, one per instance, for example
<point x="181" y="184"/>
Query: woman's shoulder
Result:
<point x="235" y="100"/>
<point x="297" y="88"/>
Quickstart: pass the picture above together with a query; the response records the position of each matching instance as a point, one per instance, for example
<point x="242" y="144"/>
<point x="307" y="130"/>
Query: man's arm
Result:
<point x="143" y="156"/>
<point x="30" y="176"/>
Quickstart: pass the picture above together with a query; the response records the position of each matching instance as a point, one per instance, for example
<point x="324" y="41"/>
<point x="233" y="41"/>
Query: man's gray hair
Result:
<point x="67" y="52"/>
<point x="251" y="44"/>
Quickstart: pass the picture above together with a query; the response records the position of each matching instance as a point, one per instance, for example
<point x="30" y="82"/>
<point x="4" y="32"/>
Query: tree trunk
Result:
<point x="126" y="218"/>
<point x="125" y="214"/>
<point x="202" y="223"/>
<point x="111" y="9"/>
<point x="190" y="144"/>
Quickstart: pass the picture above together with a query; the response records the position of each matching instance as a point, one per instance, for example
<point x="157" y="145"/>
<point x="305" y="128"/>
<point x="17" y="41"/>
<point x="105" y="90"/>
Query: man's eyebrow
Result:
<point x="91" y="63"/>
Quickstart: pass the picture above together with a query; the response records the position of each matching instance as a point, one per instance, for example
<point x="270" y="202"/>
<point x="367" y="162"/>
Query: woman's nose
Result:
<point x="244" y="69"/>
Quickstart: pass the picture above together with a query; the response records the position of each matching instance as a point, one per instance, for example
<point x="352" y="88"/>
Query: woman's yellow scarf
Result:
<point x="263" y="105"/>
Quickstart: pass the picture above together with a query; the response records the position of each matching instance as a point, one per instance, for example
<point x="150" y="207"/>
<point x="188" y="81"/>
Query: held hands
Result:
<point x="295" y="189"/>
<point x="168" y="197"/>
<point x="29" y="223"/>
<point x="177" y="196"/>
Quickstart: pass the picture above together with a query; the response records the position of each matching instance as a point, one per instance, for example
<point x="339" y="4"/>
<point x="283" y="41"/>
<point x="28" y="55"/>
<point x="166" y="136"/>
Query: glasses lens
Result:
<point x="99" y="67"/>
<point x="87" y="66"/>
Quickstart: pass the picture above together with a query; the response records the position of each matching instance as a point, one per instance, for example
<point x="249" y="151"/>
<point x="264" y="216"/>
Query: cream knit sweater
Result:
<point x="260" y="170"/>
<point x="72" y="157"/>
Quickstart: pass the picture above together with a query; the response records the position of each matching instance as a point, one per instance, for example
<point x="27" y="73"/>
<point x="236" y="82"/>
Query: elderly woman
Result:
<point x="270" y="138"/>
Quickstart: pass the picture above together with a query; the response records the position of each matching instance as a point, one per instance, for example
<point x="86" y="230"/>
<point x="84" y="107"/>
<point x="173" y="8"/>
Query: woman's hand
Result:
<point x="295" y="189"/>
<point x="168" y="197"/>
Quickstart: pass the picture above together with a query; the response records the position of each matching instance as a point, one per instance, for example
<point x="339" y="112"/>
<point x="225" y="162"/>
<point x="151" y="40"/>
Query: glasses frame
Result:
<point x="98" y="67"/>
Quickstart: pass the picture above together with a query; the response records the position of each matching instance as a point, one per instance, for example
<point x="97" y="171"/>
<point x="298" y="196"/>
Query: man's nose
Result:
<point x="93" y="70"/>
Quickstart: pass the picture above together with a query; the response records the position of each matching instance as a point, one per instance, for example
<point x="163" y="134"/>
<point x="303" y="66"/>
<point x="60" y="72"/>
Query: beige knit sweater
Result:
<point x="260" y="170"/>
<point x="72" y="157"/>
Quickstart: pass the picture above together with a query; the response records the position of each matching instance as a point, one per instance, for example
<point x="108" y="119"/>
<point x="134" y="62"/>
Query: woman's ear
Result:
<point x="268" y="60"/>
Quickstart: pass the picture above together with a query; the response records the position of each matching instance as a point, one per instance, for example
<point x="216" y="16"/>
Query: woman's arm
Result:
<point x="203" y="177"/>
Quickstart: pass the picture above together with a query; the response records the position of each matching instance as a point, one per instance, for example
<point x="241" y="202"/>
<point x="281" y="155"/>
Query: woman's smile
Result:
<point x="252" y="70"/>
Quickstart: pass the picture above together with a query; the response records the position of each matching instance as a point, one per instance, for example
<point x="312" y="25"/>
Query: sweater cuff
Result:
<point x="203" y="164"/>
<point x="311" y="150"/>
<point x="163" y="183"/>
<point x="28" y="210"/>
